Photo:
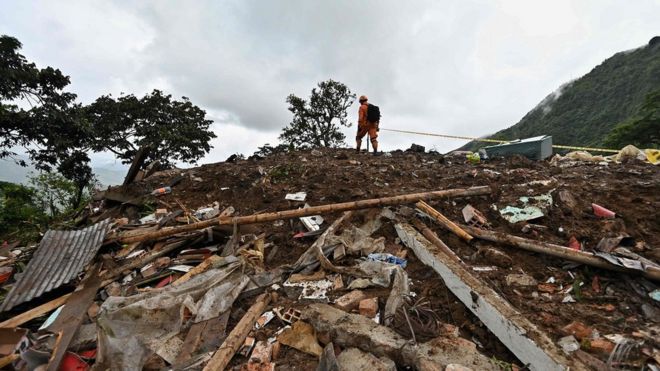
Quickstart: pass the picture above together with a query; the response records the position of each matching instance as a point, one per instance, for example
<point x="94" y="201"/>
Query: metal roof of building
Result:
<point x="60" y="257"/>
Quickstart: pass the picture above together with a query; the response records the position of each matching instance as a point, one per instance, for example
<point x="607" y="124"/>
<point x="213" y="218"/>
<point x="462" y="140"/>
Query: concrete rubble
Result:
<point x="262" y="265"/>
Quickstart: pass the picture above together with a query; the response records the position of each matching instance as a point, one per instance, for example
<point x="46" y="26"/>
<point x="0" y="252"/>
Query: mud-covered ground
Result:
<point x="609" y="302"/>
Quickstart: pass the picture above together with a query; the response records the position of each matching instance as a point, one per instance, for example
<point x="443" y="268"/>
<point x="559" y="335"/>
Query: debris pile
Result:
<point x="336" y="260"/>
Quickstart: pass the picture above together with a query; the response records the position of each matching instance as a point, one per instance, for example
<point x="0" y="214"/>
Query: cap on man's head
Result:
<point x="363" y="98"/>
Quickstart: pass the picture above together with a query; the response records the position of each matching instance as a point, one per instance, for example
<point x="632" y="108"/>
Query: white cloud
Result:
<point x="454" y="67"/>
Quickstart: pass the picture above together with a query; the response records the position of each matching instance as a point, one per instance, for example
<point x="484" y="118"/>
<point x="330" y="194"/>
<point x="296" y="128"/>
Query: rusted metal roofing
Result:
<point x="60" y="257"/>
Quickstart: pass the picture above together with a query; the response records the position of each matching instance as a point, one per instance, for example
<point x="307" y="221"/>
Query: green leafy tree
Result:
<point x="19" y="215"/>
<point x="37" y="114"/>
<point x="316" y="122"/>
<point x="267" y="150"/>
<point x="57" y="195"/>
<point x="170" y="130"/>
<point x="643" y="130"/>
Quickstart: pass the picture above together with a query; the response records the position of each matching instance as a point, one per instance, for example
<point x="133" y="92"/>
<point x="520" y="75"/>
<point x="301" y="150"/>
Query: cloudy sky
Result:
<point x="455" y="67"/>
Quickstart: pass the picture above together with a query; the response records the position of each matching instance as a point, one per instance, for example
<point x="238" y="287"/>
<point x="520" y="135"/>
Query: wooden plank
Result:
<point x="35" y="312"/>
<point x="515" y="331"/>
<point x="237" y="336"/>
<point x="71" y="317"/>
<point x="210" y="262"/>
<point x="209" y="333"/>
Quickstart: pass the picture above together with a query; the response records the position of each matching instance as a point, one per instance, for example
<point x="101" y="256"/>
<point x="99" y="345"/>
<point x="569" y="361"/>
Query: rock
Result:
<point x="355" y="359"/>
<point x="566" y="199"/>
<point x="353" y="330"/>
<point x="93" y="310"/>
<point x="416" y="148"/>
<point x="317" y="153"/>
<point x="113" y="289"/>
<point x="579" y="329"/>
<point x="328" y="360"/>
<point x="350" y="301"/>
<point x="161" y="213"/>
<point x="520" y="280"/>
<point x="369" y="307"/>
<point x="456" y="367"/>
<point x="497" y="257"/>
<point x="650" y="312"/>
<point x="568" y="344"/>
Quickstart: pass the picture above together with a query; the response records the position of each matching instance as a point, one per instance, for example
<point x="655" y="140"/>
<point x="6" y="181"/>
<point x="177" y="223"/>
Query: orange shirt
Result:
<point x="362" y="114"/>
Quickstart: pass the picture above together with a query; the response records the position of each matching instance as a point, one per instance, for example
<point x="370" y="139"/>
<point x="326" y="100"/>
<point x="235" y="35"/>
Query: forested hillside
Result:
<point x="585" y="111"/>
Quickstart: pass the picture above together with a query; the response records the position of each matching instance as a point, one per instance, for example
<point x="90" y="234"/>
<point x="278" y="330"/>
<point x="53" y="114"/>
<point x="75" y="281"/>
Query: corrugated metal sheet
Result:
<point x="61" y="255"/>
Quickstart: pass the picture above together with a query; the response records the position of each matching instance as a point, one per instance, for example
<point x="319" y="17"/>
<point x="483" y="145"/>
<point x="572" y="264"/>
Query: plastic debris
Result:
<point x="533" y="208"/>
<point x="299" y="196"/>
<point x="161" y="191"/>
<point x="264" y="319"/>
<point x="312" y="290"/>
<point x="655" y="294"/>
<point x="388" y="258"/>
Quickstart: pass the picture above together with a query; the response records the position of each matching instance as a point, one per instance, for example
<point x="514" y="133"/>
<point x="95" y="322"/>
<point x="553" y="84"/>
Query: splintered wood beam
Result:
<point x="237" y="336"/>
<point x="68" y="322"/>
<point x="526" y="341"/>
<point x="314" y="210"/>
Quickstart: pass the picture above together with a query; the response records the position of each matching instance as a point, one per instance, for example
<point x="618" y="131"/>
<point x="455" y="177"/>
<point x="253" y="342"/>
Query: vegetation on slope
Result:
<point x="584" y="112"/>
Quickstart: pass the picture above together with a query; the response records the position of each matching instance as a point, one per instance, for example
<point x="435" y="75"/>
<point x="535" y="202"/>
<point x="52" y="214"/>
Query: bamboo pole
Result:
<point x="558" y="251"/>
<point x="444" y="221"/>
<point x="237" y="336"/>
<point x="428" y="233"/>
<point x="314" y="210"/>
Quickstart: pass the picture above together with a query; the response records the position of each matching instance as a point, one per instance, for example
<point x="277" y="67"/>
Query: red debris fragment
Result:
<point x="574" y="244"/>
<point x="595" y="284"/>
<point x="602" y="212"/>
<point x="165" y="281"/>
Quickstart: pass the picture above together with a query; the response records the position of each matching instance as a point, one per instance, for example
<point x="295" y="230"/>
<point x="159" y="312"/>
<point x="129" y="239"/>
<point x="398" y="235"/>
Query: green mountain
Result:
<point x="584" y="111"/>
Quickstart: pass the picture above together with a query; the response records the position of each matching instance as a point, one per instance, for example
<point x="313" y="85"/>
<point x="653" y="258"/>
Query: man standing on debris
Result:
<point x="368" y="121"/>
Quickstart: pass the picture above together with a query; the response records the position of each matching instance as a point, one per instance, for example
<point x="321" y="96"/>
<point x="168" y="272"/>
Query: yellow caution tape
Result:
<point x="500" y="141"/>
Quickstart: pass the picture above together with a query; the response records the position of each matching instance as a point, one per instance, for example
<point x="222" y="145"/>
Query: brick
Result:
<point x="369" y="307"/>
<point x="337" y="283"/>
<point x="547" y="287"/>
<point x="350" y="301"/>
<point x="602" y="346"/>
<point x="276" y="350"/>
<point x="578" y="329"/>
<point x="262" y="352"/>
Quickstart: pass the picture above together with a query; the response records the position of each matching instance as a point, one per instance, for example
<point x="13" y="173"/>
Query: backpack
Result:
<point x="373" y="113"/>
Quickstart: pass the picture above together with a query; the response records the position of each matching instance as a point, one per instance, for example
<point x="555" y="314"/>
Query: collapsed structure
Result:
<point x="332" y="260"/>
